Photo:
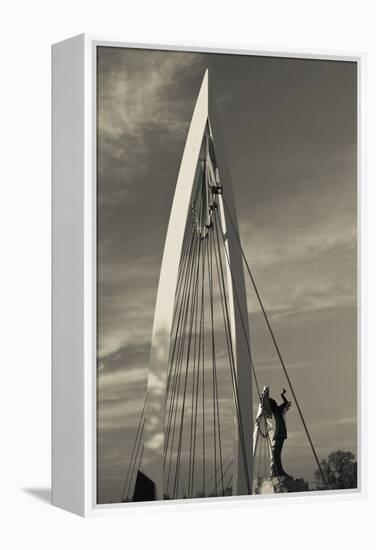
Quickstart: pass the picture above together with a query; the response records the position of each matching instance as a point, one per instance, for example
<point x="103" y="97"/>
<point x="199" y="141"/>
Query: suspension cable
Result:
<point x="225" y="312"/>
<point x="134" y="463"/>
<point x="276" y="346"/>
<point x="210" y="271"/>
<point x="133" y="457"/>
<point x="240" y="314"/>
<point x="177" y="469"/>
<point x="180" y="358"/>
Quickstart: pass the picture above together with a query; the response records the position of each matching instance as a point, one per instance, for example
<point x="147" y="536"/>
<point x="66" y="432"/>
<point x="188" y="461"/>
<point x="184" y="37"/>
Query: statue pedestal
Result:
<point x="268" y="486"/>
<point x="280" y="484"/>
<point x="283" y="484"/>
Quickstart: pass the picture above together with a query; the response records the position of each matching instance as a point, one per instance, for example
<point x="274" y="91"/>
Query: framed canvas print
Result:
<point x="206" y="281"/>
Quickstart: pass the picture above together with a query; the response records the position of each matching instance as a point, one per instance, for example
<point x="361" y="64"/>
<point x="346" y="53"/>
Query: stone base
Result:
<point x="283" y="484"/>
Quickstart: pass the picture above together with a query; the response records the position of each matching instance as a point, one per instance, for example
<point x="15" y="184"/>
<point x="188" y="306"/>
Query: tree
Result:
<point x="339" y="470"/>
<point x="296" y="485"/>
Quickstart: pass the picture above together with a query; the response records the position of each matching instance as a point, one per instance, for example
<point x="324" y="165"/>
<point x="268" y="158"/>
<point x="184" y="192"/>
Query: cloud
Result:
<point x="138" y="108"/>
<point x="145" y="99"/>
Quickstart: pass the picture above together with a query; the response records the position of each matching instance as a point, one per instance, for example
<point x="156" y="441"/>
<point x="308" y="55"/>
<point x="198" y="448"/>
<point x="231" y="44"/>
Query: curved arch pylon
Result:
<point x="205" y="116"/>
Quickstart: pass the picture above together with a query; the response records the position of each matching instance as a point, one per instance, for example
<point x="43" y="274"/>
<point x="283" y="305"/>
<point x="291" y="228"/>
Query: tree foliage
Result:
<point x="339" y="470"/>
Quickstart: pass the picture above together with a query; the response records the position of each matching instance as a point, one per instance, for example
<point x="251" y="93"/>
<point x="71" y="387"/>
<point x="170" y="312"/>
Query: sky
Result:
<point x="290" y="132"/>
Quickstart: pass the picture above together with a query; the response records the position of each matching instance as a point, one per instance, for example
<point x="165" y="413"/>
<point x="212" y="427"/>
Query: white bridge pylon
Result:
<point x="205" y="119"/>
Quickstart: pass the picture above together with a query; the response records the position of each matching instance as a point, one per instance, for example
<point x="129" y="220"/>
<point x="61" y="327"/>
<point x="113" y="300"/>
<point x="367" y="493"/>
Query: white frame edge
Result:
<point x="68" y="287"/>
<point x="74" y="316"/>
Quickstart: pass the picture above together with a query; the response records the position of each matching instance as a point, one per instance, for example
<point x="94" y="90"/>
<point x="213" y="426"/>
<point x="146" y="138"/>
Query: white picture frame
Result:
<point x="74" y="274"/>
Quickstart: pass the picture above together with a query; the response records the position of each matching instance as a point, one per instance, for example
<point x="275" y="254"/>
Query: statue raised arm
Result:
<point x="280" y="434"/>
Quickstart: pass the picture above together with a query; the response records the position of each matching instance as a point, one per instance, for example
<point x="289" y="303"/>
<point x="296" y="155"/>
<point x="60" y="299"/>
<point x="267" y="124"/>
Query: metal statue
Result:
<point x="280" y="434"/>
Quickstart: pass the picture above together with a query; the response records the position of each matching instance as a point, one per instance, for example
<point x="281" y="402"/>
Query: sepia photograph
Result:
<point x="226" y="275"/>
